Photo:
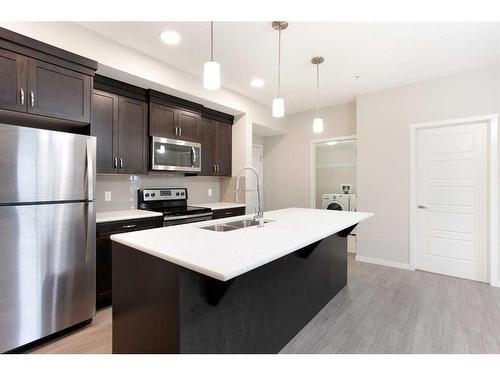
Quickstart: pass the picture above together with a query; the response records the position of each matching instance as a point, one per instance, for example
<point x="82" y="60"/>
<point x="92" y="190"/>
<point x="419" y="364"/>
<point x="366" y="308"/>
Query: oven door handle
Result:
<point x="186" y="216"/>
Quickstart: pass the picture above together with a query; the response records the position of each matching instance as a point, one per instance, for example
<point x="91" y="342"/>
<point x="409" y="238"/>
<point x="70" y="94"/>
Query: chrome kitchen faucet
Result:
<point x="259" y="216"/>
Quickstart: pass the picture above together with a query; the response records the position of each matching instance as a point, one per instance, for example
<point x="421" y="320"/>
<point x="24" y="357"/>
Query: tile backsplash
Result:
<point x="123" y="189"/>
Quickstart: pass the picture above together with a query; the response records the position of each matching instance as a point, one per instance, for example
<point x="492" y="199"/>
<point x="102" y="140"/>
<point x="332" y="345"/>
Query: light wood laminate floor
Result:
<point x="382" y="310"/>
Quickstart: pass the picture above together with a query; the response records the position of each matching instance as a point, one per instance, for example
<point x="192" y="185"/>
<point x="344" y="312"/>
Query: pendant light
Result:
<point x="318" y="121"/>
<point x="278" y="102"/>
<point x="211" y="69"/>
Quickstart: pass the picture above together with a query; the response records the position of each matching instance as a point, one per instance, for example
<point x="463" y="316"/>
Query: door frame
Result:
<point x="491" y="121"/>
<point x="312" y="165"/>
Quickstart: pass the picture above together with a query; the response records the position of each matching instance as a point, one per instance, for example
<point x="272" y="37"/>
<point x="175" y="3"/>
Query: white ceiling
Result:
<point x="382" y="54"/>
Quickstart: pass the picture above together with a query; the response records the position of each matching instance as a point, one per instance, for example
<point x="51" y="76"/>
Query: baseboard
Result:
<point x="496" y="284"/>
<point x="383" y="262"/>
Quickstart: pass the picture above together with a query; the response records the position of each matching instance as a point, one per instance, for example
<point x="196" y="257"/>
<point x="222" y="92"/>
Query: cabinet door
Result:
<point x="207" y="147"/>
<point x="162" y="121"/>
<point x="103" y="126"/>
<point x="13" y="81"/>
<point x="188" y="125"/>
<point x="103" y="273"/>
<point x="58" y="92"/>
<point x="223" y="151"/>
<point x="132" y="136"/>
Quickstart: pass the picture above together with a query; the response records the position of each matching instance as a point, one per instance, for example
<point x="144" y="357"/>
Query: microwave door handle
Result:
<point x="193" y="157"/>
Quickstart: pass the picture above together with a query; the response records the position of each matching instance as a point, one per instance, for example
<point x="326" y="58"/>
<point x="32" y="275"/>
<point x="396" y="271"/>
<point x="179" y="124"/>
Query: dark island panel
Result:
<point x="159" y="307"/>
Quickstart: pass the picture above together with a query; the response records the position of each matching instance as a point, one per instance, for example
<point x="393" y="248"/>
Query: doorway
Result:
<point x="453" y="197"/>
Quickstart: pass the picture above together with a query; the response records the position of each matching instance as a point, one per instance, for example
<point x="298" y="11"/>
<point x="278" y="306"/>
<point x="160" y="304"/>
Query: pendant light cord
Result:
<point x="317" y="90"/>
<point x="279" y="60"/>
<point x="211" y="41"/>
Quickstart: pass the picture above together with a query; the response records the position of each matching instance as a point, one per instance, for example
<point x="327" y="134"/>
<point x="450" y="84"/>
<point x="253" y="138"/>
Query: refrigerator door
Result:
<point x="47" y="270"/>
<point x="45" y="166"/>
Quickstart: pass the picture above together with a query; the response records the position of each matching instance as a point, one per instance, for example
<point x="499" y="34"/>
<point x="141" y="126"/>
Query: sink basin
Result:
<point x="245" y="223"/>
<point x="220" y="228"/>
<point x="233" y="225"/>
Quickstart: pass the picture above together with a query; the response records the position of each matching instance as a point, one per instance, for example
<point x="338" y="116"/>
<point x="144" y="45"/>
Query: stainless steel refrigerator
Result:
<point x="47" y="233"/>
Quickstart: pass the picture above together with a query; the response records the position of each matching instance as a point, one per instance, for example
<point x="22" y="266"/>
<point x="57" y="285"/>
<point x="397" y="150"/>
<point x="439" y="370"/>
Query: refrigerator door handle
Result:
<point x="90" y="169"/>
<point x="88" y="233"/>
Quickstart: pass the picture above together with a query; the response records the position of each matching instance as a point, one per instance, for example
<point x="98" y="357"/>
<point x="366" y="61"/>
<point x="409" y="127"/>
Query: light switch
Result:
<point x="209" y="192"/>
<point x="107" y="196"/>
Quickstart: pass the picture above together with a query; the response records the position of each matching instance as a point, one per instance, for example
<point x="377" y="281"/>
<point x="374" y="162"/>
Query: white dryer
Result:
<point x="336" y="202"/>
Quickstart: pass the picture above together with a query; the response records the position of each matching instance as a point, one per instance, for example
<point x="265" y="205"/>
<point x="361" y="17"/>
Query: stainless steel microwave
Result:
<point x="175" y="155"/>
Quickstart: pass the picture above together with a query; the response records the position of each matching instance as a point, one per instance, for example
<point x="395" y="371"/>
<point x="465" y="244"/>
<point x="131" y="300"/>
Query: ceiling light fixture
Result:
<point x="318" y="121"/>
<point x="211" y="69"/>
<point x="170" y="37"/>
<point x="278" y="102"/>
<point x="257" y="82"/>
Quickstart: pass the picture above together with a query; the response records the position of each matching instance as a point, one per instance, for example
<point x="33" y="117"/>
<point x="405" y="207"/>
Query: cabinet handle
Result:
<point x="115" y="164"/>
<point x="180" y="131"/>
<point x="121" y="163"/>
<point x="215" y="169"/>
<point x="32" y="98"/>
<point x="22" y="97"/>
<point x="218" y="169"/>
<point x="129" y="226"/>
<point x="176" y="130"/>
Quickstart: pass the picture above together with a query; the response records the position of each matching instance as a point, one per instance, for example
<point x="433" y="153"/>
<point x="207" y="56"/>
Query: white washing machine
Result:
<point x="342" y="202"/>
<point x="336" y="202"/>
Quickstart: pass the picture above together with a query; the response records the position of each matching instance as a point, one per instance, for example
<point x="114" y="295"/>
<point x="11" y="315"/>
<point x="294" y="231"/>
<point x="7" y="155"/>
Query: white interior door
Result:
<point x="451" y="192"/>
<point x="258" y="163"/>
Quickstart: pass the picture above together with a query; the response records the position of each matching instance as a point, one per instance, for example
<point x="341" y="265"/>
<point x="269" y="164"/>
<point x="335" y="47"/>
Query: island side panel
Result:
<point x="262" y="310"/>
<point x="145" y="303"/>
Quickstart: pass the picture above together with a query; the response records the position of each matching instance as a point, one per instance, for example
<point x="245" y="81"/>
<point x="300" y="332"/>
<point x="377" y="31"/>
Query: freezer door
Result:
<point x="42" y="165"/>
<point x="47" y="270"/>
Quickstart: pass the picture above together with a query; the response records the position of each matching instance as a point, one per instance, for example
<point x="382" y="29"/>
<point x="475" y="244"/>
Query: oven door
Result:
<point x="175" y="155"/>
<point x="178" y="220"/>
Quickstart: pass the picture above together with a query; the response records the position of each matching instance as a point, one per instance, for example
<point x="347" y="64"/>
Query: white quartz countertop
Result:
<point x="225" y="255"/>
<point x="220" y="205"/>
<point x="103" y="217"/>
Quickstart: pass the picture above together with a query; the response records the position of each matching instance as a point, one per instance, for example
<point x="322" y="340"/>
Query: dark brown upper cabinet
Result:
<point x="45" y="81"/>
<point x="120" y="124"/>
<point x="216" y="140"/>
<point x="175" y="118"/>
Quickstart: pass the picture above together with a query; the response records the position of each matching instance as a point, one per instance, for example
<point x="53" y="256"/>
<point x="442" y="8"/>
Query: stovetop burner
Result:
<point x="171" y="201"/>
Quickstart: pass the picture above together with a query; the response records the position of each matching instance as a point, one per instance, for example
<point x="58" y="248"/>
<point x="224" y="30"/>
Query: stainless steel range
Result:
<point x="172" y="202"/>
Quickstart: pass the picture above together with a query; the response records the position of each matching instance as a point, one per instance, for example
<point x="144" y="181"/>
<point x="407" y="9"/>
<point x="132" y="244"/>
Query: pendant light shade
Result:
<point x="318" y="125"/>
<point x="318" y="121"/>
<point x="211" y="69"/>
<point x="278" y="107"/>
<point x="211" y="75"/>
<point x="278" y="101"/>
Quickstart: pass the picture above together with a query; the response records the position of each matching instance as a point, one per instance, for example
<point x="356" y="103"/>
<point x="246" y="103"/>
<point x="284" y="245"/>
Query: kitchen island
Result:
<point x="187" y="289"/>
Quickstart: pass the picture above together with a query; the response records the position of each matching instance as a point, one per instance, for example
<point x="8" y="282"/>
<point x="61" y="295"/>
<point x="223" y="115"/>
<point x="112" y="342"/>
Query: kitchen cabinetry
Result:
<point x="216" y="149"/>
<point x="103" y="252"/>
<point x="38" y="79"/>
<point x="173" y="118"/>
<point x="228" y="212"/>
<point x="120" y="125"/>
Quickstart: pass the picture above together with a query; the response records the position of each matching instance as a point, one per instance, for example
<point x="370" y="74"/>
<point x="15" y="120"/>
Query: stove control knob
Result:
<point x="153" y="194"/>
<point x="182" y="193"/>
<point x="146" y="195"/>
<point x="177" y="193"/>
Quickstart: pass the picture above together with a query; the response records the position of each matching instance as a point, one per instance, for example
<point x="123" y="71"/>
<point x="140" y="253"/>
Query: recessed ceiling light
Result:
<point x="170" y="37"/>
<point x="257" y="82"/>
<point x="356" y="76"/>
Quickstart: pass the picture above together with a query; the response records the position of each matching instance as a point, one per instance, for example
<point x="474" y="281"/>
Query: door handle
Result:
<point x="129" y="226"/>
<point x="115" y="164"/>
<point x="22" y="96"/>
<point x="89" y="222"/>
<point x="90" y="168"/>
<point x="32" y="98"/>
<point x="193" y="156"/>
<point x="176" y="131"/>
<point x="218" y="169"/>
<point x="180" y="131"/>
<point x="215" y="169"/>
<point x="422" y="206"/>
<point x="121" y="163"/>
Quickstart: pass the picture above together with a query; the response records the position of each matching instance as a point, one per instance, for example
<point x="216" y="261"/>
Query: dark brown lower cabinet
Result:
<point x="103" y="252"/>
<point x="228" y="212"/>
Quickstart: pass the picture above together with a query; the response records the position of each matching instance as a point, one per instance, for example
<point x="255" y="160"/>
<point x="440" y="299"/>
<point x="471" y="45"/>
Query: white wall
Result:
<point x="287" y="164"/>
<point x="383" y="120"/>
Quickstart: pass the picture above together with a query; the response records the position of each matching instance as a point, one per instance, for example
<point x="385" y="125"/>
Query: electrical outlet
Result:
<point x="107" y="196"/>
<point x="209" y="192"/>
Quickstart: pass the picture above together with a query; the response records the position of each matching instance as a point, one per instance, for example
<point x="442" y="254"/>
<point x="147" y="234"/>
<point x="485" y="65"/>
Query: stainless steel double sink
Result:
<point x="233" y="225"/>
